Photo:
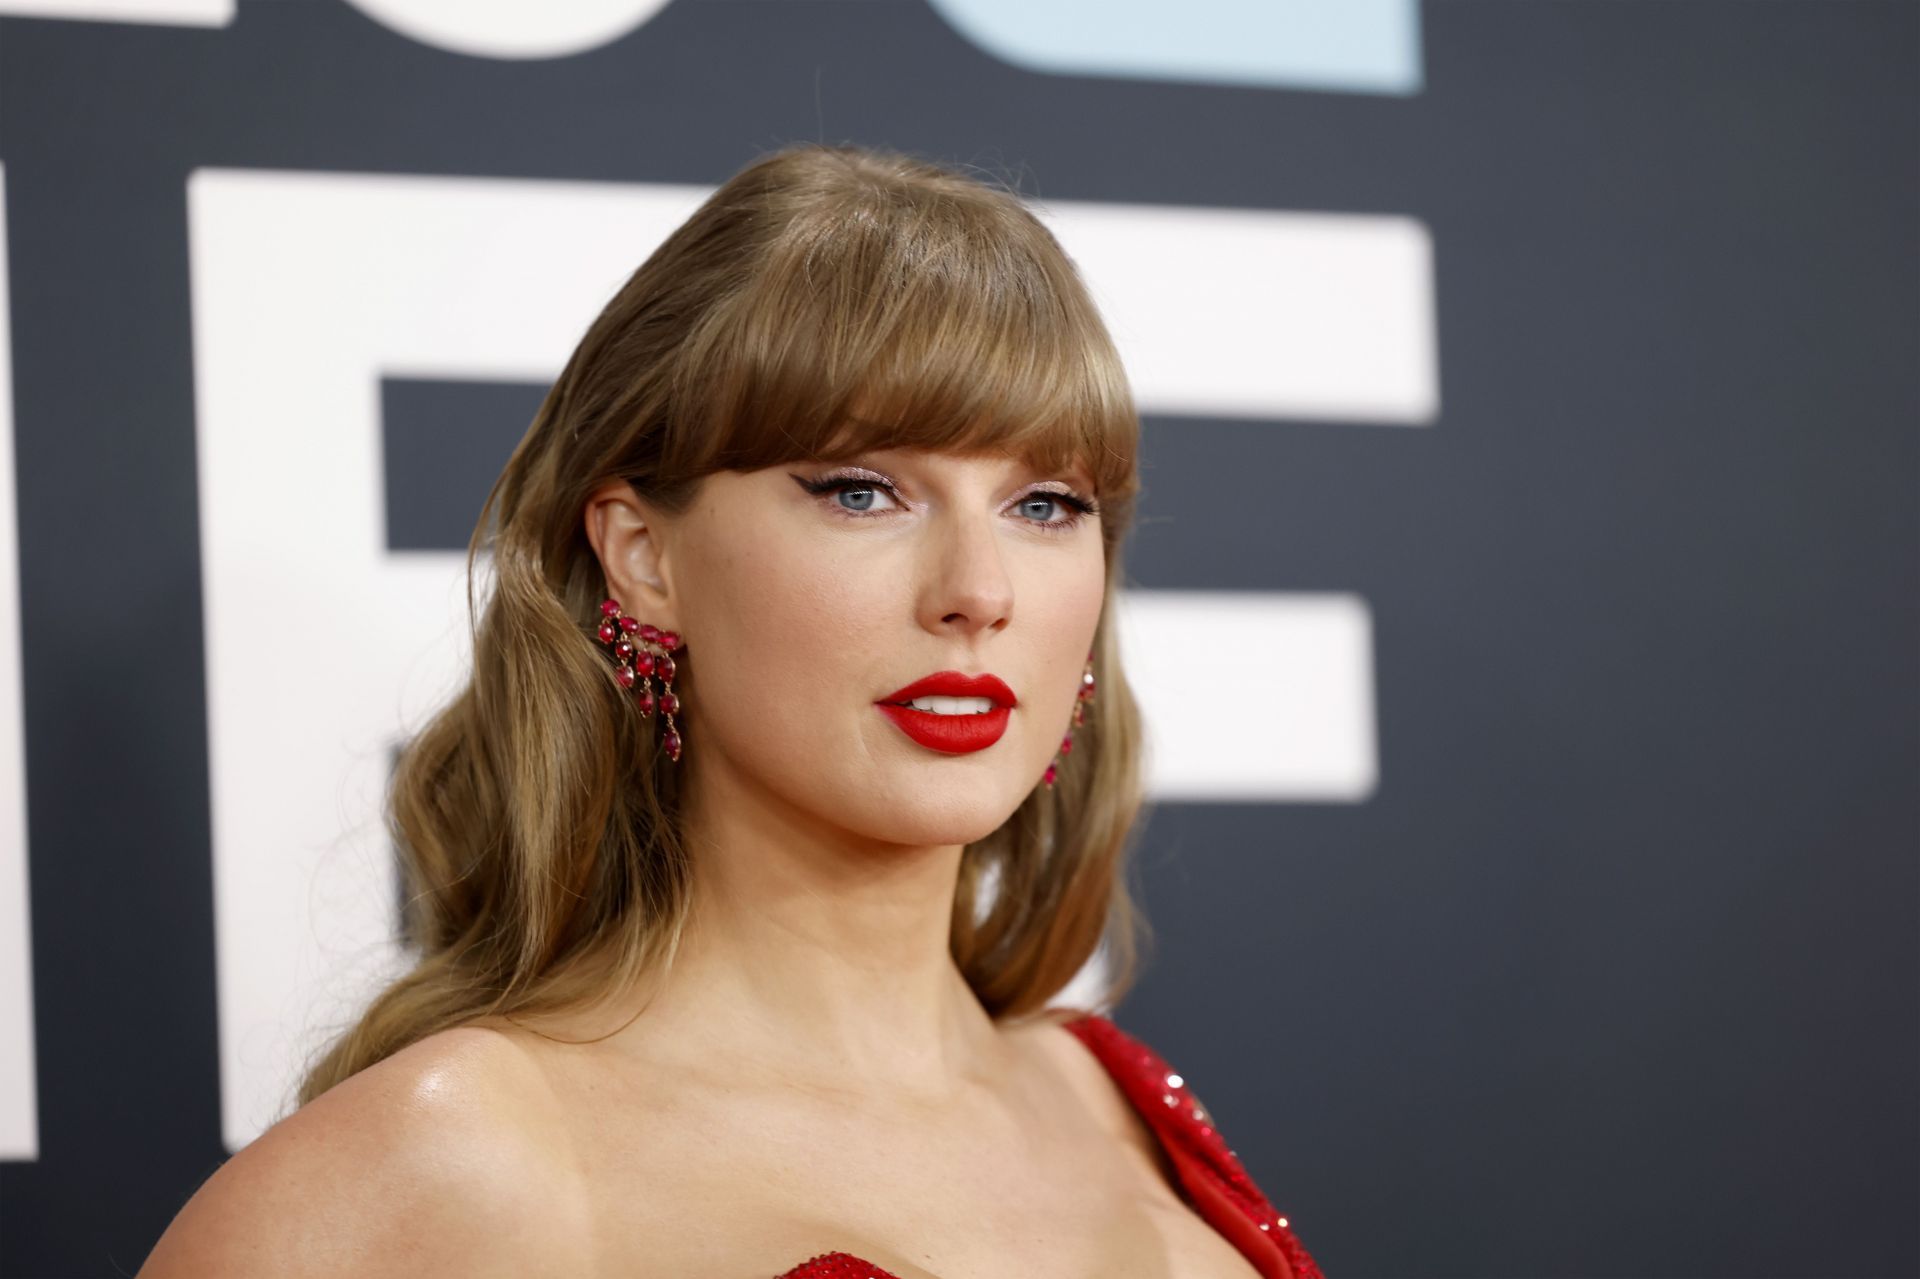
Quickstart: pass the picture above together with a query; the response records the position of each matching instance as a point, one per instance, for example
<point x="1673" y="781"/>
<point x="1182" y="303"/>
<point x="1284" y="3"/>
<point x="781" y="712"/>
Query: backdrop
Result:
<point x="1524" y="604"/>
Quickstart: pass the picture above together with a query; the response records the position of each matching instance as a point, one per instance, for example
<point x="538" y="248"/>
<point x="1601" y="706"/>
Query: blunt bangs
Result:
<point x="953" y="325"/>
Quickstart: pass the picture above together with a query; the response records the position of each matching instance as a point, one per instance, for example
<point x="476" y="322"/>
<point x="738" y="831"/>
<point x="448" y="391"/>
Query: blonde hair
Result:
<point x="825" y="300"/>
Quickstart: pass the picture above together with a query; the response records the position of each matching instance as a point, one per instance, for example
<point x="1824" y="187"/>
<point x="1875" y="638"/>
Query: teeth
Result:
<point x="953" y="705"/>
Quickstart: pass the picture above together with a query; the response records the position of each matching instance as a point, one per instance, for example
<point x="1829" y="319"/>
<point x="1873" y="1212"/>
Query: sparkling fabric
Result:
<point x="837" y="1265"/>
<point x="1210" y="1173"/>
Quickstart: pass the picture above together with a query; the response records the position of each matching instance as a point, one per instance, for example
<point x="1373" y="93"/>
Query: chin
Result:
<point x="942" y="805"/>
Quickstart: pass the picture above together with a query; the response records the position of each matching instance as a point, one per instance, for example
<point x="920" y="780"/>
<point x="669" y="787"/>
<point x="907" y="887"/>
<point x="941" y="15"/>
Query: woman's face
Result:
<point x="809" y="594"/>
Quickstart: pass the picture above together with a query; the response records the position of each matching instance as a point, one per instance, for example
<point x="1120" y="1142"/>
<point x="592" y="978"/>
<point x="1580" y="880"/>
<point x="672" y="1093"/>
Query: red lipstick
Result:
<point x="951" y="734"/>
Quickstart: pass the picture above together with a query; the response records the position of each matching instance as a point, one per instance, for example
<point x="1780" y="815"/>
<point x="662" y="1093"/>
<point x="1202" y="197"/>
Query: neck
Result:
<point x="823" y="953"/>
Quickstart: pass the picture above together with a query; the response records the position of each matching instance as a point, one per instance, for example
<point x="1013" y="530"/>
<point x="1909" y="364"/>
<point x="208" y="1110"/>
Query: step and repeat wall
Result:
<point x="1525" y="603"/>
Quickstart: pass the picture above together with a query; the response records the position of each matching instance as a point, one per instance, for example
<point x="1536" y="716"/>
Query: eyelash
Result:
<point x="832" y="484"/>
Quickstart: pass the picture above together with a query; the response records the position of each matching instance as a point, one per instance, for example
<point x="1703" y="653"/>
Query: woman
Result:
<point x="793" y="780"/>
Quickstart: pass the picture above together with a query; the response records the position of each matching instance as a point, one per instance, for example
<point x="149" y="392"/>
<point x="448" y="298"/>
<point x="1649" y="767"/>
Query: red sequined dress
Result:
<point x="1210" y="1176"/>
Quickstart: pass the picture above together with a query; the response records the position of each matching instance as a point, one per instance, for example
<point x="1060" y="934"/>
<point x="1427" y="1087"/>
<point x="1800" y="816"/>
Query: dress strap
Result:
<point x="1211" y="1174"/>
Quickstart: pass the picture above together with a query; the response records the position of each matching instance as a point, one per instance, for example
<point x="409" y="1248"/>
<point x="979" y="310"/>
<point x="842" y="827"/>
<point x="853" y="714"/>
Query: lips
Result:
<point x="954" y="684"/>
<point x="951" y="734"/>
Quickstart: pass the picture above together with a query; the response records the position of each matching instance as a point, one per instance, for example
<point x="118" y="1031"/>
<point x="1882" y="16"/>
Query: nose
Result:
<point x="967" y="587"/>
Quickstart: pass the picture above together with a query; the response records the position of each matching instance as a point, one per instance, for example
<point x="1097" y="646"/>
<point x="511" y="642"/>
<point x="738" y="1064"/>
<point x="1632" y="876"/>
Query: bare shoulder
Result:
<point x="1047" y="1035"/>
<point x="1098" y="1091"/>
<point x="438" y="1160"/>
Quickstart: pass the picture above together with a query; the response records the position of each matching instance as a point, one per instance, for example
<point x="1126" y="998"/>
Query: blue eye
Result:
<point x="1079" y="507"/>
<point x="1044" y="499"/>
<point x="864" y="489"/>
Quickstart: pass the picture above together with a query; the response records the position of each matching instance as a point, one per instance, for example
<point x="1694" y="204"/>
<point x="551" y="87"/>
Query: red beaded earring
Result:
<point x="636" y="664"/>
<point x="1079" y="717"/>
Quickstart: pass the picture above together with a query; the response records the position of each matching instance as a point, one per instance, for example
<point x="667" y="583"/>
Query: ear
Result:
<point x="628" y="538"/>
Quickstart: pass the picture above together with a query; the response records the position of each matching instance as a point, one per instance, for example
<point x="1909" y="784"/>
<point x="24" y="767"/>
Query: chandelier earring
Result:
<point x="1081" y="701"/>
<point x="641" y="654"/>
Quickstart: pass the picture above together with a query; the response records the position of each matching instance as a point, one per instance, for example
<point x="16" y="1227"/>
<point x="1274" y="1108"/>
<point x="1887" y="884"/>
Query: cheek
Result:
<point x="1073" y="614"/>
<point x="1079" y="600"/>
<point x="784" y="635"/>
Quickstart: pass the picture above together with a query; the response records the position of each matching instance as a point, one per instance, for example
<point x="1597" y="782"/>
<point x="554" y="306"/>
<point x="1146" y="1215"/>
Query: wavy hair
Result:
<point x="823" y="301"/>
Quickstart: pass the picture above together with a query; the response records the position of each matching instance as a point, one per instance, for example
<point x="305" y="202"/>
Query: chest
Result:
<point x="736" y="1192"/>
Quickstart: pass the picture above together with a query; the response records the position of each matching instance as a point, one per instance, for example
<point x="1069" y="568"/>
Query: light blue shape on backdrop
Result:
<point x="1357" y="46"/>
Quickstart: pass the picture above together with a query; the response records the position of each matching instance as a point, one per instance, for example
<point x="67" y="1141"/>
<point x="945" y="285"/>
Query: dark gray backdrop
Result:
<point x="1618" y="973"/>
